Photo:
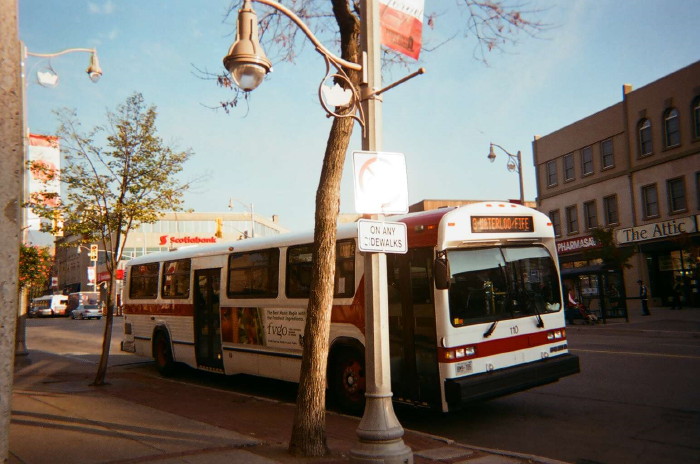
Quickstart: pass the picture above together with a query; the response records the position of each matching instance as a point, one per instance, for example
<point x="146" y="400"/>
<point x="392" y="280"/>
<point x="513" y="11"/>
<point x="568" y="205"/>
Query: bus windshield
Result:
<point x="490" y="284"/>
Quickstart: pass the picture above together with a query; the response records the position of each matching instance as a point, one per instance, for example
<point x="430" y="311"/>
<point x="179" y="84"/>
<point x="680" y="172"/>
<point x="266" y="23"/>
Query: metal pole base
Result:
<point x="21" y="336"/>
<point x="380" y="435"/>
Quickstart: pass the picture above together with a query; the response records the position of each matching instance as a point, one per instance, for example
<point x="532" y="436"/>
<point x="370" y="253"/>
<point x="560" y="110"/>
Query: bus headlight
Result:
<point x="461" y="352"/>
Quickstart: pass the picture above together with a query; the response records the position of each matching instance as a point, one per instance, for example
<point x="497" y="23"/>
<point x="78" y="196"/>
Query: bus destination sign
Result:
<point x="503" y="224"/>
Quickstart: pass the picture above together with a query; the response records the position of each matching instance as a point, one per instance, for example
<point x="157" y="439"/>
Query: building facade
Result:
<point x="173" y="230"/>
<point x="634" y="169"/>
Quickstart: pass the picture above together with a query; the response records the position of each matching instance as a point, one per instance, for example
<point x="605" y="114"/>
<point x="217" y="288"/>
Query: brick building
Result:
<point x="634" y="168"/>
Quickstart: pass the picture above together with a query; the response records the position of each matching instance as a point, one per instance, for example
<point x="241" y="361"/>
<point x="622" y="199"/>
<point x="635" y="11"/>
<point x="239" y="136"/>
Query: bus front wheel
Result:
<point x="163" y="355"/>
<point x="348" y="381"/>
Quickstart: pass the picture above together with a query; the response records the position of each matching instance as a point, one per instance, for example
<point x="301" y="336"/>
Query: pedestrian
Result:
<point x="677" y="290"/>
<point x="644" y="296"/>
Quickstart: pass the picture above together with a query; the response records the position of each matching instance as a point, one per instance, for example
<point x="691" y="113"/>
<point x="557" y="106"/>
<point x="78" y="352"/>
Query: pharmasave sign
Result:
<point x="573" y="245"/>
<point x="165" y="239"/>
<point x="657" y="230"/>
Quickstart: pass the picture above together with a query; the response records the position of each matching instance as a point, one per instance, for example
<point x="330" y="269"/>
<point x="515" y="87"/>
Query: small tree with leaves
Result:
<point x="613" y="257"/>
<point x="112" y="189"/>
<point x="35" y="264"/>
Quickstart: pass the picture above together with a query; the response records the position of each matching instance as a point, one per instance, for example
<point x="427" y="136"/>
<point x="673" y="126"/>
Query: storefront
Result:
<point x="670" y="250"/>
<point x="600" y="289"/>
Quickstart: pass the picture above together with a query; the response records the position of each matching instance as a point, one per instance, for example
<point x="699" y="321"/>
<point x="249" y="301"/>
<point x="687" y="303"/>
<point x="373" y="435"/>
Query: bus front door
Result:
<point x="207" y="322"/>
<point x="413" y="339"/>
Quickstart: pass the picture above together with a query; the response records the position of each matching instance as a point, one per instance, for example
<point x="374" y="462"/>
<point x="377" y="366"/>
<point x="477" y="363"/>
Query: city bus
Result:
<point x="49" y="305"/>
<point x="475" y="308"/>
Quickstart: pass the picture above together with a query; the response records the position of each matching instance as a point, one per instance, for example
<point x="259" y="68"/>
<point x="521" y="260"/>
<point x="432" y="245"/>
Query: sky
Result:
<point x="268" y="152"/>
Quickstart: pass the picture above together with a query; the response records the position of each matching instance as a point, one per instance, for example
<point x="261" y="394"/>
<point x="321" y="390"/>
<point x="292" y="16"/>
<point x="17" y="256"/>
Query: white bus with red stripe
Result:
<point x="475" y="307"/>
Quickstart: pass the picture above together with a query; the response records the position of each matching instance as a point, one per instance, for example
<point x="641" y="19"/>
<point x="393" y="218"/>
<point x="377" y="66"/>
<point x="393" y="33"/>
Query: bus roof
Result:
<point x="422" y="229"/>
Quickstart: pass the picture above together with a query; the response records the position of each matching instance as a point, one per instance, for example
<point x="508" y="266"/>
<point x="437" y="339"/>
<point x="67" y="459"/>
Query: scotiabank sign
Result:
<point x="165" y="239"/>
<point x="576" y="244"/>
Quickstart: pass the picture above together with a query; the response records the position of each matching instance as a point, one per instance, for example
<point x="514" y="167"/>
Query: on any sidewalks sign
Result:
<point x="380" y="182"/>
<point x="381" y="236"/>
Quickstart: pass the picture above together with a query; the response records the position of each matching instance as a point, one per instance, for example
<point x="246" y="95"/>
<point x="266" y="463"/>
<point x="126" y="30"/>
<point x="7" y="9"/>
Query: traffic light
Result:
<point x="93" y="252"/>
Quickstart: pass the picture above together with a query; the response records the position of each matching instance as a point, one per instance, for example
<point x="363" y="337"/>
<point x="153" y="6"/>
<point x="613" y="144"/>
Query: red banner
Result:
<point x="402" y="25"/>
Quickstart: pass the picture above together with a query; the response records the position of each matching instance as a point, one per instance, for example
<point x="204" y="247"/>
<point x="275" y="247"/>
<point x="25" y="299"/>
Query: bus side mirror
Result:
<point x="441" y="271"/>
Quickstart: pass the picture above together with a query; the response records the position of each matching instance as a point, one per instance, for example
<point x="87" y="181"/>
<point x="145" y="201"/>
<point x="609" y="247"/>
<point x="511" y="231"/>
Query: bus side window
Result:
<point x="176" y="279"/>
<point x="254" y="274"/>
<point x="143" y="281"/>
<point x="299" y="267"/>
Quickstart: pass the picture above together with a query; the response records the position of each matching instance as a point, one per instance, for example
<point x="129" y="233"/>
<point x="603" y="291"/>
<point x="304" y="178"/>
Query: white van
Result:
<point x="49" y="305"/>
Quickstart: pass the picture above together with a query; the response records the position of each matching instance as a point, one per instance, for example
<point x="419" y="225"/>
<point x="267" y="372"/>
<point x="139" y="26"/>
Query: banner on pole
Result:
<point x="44" y="172"/>
<point x="402" y="25"/>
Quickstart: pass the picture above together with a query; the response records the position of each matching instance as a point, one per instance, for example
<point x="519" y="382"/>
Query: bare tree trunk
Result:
<point x="107" y="337"/>
<point x="309" y="429"/>
<point x="308" y="433"/>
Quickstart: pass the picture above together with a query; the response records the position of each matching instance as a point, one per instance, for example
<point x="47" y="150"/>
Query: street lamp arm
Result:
<point x="94" y="71"/>
<point x="305" y="29"/>
<point x="513" y="158"/>
<point x="514" y="164"/>
<point x="62" y="52"/>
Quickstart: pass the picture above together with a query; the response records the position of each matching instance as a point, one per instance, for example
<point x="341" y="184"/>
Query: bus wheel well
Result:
<point x="163" y="351"/>
<point x="346" y="375"/>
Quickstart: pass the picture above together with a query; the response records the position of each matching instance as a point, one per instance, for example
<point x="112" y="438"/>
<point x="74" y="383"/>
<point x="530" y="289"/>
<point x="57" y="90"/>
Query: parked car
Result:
<point x="87" y="311"/>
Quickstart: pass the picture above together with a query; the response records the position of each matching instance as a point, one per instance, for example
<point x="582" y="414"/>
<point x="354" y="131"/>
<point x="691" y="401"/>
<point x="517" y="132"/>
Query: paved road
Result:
<point x="635" y="401"/>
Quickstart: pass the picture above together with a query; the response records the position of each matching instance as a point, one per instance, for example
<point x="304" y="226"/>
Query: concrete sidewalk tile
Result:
<point x="100" y="428"/>
<point x="213" y="457"/>
<point x="491" y="459"/>
<point x="445" y="452"/>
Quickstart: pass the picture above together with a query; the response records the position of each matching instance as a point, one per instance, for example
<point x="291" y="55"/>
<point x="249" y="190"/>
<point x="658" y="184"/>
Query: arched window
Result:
<point x="672" y="128"/>
<point x="645" y="146"/>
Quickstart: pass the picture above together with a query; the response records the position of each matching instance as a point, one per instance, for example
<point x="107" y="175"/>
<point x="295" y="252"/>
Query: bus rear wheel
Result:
<point x="163" y="355"/>
<point x="347" y="381"/>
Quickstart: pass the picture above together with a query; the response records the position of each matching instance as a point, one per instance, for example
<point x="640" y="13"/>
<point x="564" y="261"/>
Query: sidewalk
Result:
<point x="140" y="417"/>
<point x="662" y="322"/>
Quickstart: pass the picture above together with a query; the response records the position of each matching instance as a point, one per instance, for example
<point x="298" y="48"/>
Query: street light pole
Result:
<point x="250" y="208"/>
<point x="94" y="73"/>
<point x="514" y="164"/>
<point x="380" y="434"/>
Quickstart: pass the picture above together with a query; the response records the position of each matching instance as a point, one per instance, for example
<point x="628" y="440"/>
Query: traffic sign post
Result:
<point x="381" y="236"/>
<point x="381" y="186"/>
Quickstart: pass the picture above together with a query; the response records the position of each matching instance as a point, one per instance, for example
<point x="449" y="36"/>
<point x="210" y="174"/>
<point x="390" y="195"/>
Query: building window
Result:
<point x="587" y="161"/>
<point x="571" y="220"/>
<point x="606" y="154"/>
<point x="650" y="201"/>
<point x="556" y="222"/>
<point x="675" y="189"/>
<point x="568" y="167"/>
<point x="590" y="215"/>
<point x="696" y="117"/>
<point x="672" y="128"/>
<point x="610" y="206"/>
<point x="551" y="173"/>
<point x="645" y="146"/>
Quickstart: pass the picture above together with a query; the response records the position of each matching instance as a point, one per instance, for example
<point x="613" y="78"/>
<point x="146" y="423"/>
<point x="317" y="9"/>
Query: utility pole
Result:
<point x="11" y="174"/>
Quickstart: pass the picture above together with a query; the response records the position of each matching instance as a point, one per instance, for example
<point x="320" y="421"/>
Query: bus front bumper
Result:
<point x="509" y="380"/>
